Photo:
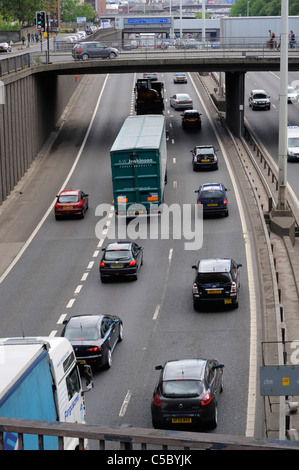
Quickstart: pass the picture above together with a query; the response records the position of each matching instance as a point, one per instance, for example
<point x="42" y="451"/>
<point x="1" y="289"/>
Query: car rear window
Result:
<point x="67" y="199"/>
<point x="81" y="333"/>
<point x="182" y="388"/>
<point x="211" y="194"/>
<point x="117" y="255"/>
<point x="213" y="278"/>
<point x="258" y="96"/>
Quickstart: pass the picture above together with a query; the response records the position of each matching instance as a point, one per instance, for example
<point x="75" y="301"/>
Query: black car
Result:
<point x="216" y="280"/>
<point x="94" y="338"/>
<point x="213" y="198"/>
<point x="191" y="119"/>
<point x="93" y="50"/>
<point x="121" y="259"/>
<point x="204" y="157"/>
<point x="186" y="394"/>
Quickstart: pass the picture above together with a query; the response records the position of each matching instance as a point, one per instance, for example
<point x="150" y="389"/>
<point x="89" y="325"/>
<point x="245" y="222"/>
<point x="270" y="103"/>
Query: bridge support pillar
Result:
<point x="234" y="87"/>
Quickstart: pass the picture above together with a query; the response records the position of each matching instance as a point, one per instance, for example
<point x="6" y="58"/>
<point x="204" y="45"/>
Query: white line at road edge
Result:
<point x="251" y="401"/>
<point x="35" y="231"/>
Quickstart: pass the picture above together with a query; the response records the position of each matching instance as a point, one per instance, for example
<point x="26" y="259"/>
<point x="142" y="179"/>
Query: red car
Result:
<point x="70" y="203"/>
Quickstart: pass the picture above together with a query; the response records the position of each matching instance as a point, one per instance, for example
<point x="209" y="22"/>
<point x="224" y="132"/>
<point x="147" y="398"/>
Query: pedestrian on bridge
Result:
<point x="292" y="39"/>
<point x="272" y="39"/>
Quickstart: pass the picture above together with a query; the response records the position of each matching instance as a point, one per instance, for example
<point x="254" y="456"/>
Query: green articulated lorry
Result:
<point x="138" y="165"/>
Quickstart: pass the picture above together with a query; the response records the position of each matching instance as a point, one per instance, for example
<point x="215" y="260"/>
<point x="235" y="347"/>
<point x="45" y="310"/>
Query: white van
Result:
<point x="293" y="144"/>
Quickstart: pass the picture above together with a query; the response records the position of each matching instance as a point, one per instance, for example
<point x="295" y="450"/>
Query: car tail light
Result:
<point x="206" y="399"/>
<point x="157" y="400"/>
<point x="80" y="50"/>
<point x="132" y="263"/>
<point x="233" y="287"/>
<point x="94" y="349"/>
<point x="225" y="202"/>
<point x="195" y="289"/>
<point x="102" y="264"/>
<point x="198" y="201"/>
<point x="195" y="159"/>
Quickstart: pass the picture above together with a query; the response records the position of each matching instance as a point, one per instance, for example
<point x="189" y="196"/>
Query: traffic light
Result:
<point x="41" y="20"/>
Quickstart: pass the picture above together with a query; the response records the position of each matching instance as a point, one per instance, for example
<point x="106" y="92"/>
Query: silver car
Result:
<point x="181" y="101"/>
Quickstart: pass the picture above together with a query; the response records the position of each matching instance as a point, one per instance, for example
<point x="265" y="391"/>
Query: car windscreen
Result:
<point x="117" y="255"/>
<point x="182" y="388"/>
<point x="293" y="142"/>
<point x="213" y="278"/>
<point x="68" y="199"/>
<point x="260" y="96"/>
<point x="81" y="333"/>
<point x="211" y="194"/>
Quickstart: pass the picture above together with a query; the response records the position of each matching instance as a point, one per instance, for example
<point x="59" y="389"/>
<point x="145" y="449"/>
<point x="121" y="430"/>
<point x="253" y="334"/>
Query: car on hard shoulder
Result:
<point x="187" y="393"/>
<point x="191" y="119"/>
<point x="93" y="50"/>
<point x="69" y="203"/>
<point x="259" y="99"/>
<point x="181" y="101"/>
<point x="213" y="198"/>
<point x="121" y="259"/>
<point x="180" y="78"/>
<point x="216" y="281"/>
<point x="94" y="338"/>
<point x="204" y="157"/>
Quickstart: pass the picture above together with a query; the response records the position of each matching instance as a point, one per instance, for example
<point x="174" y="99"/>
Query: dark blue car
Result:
<point x="213" y="198"/>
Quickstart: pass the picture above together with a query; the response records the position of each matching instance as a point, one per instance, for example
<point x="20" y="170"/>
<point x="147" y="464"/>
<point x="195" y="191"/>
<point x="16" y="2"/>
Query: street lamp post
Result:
<point x="283" y="109"/>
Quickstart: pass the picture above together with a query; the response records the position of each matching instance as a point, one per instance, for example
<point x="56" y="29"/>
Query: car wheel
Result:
<point x="156" y="423"/>
<point x="120" y="335"/>
<point x="109" y="359"/>
<point x="214" y="420"/>
<point x="135" y="276"/>
<point x="85" y="57"/>
<point x="112" y="55"/>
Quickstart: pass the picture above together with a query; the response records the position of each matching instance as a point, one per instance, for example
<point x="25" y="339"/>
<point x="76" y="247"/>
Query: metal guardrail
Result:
<point x="130" y="438"/>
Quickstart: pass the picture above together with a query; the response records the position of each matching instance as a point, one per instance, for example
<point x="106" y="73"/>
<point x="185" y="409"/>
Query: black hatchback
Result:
<point x="94" y="338"/>
<point x="121" y="259"/>
<point x="186" y="394"/>
<point x="213" y="198"/>
<point x="204" y="157"/>
<point x="216" y="280"/>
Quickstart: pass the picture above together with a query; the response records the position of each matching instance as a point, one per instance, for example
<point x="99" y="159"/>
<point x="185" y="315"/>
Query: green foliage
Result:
<point x="263" y="8"/>
<point x="71" y="9"/>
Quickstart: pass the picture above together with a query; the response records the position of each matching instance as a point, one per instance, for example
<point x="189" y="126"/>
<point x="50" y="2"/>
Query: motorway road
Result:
<point x="266" y="123"/>
<point x="57" y="275"/>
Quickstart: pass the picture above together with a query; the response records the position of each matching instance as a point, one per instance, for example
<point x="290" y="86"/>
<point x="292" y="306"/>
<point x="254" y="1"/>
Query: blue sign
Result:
<point x="147" y="20"/>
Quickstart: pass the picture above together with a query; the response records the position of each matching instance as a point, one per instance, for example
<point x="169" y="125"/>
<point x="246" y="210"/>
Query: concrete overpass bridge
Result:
<point x="35" y="96"/>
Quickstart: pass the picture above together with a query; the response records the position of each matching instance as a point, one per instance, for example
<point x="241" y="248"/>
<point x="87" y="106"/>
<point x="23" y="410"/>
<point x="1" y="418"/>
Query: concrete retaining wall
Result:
<point x="32" y="106"/>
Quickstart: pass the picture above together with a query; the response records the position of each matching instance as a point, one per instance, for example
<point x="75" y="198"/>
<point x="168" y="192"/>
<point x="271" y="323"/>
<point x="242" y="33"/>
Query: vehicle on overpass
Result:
<point x="149" y="96"/>
<point x="93" y="50"/>
<point x="40" y="380"/>
<point x="138" y="164"/>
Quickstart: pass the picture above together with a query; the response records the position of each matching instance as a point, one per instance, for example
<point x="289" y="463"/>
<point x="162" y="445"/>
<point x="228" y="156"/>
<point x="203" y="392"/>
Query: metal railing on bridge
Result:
<point x="130" y="438"/>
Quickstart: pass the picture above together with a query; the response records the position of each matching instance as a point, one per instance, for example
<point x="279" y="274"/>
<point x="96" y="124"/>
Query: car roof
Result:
<point x="212" y="186"/>
<point x="192" y="369"/>
<point x="217" y="265"/>
<point x="258" y="91"/>
<point x="124" y="245"/>
<point x="182" y="94"/>
<point x="69" y="192"/>
<point x="86" y="320"/>
<point x="205" y="148"/>
<point x="191" y="111"/>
